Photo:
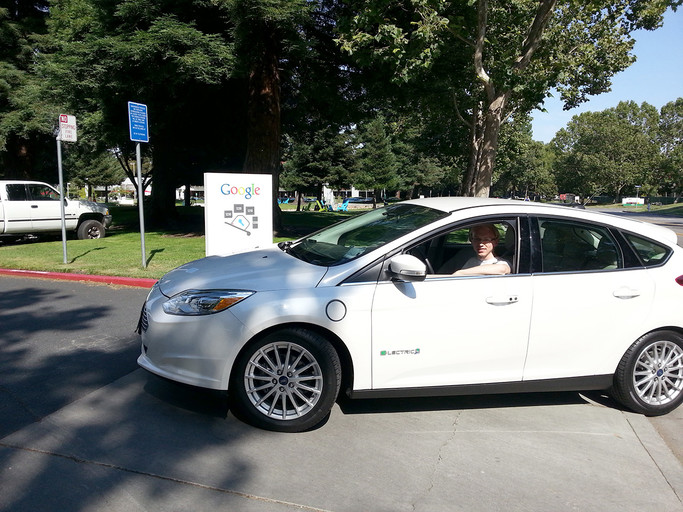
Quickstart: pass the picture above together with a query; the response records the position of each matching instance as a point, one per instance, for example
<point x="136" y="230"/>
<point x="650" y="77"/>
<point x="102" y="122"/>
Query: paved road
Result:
<point x="83" y="429"/>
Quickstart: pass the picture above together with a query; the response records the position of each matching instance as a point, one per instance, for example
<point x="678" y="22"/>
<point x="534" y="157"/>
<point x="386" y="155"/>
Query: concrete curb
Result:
<point x="65" y="276"/>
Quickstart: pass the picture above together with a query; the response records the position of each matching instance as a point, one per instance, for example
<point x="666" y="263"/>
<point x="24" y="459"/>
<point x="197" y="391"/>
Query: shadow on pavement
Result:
<point x="443" y="403"/>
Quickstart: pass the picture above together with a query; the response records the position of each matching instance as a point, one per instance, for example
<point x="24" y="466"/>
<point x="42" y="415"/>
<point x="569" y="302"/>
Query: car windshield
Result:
<point x="354" y="237"/>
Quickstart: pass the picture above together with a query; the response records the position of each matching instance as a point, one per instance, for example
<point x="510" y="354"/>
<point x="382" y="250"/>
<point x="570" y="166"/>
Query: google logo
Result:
<point x="247" y="192"/>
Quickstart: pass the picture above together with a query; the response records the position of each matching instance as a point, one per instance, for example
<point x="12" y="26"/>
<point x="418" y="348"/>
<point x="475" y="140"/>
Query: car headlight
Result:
<point x="203" y="302"/>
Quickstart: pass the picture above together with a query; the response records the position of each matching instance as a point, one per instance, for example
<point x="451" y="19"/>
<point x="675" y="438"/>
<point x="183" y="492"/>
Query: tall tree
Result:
<point x="26" y="119"/>
<point x="608" y="151"/>
<point x="671" y="142"/>
<point x="518" y="49"/>
<point x="211" y="74"/>
<point x="376" y="162"/>
<point x="522" y="168"/>
<point x="322" y="157"/>
<point x="176" y="57"/>
<point x="264" y="32"/>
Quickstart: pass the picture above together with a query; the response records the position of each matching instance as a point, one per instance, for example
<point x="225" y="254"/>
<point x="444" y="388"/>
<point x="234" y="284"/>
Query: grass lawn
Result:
<point x="669" y="209"/>
<point x="120" y="253"/>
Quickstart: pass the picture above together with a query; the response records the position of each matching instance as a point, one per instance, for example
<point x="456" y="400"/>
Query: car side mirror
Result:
<point x="405" y="267"/>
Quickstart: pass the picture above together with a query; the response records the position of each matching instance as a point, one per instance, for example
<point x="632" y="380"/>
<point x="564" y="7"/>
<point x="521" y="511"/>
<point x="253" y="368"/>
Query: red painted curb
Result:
<point x="123" y="281"/>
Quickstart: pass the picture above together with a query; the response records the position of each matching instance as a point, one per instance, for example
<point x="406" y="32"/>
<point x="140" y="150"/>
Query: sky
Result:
<point x="656" y="78"/>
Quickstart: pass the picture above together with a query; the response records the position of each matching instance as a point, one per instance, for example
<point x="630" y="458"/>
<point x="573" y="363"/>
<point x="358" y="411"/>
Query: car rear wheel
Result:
<point x="286" y="381"/>
<point x="90" y="228"/>
<point x="649" y="378"/>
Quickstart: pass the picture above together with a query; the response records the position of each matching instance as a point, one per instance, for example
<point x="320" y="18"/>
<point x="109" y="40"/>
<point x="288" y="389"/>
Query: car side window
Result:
<point x="651" y="253"/>
<point x="16" y="192"/>
<point x="449" y="252"/>
<point x="570" y="247"/>
<point x="42" y="193"/>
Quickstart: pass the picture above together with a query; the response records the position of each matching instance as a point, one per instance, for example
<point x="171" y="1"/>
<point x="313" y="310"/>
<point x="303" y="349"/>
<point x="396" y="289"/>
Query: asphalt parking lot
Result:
<point x="140" y="444"/>
<point x="84" y="429"/>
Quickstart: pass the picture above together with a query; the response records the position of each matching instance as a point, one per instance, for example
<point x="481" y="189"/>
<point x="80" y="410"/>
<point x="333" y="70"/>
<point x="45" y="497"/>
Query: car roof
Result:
<point x="516" y="207"/>
<point x="23" y="181"/>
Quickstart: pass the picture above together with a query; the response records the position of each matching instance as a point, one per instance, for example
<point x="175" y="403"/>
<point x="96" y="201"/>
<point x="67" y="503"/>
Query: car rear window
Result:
<point x="651" y="253"/>
<point x="569" y="247"/>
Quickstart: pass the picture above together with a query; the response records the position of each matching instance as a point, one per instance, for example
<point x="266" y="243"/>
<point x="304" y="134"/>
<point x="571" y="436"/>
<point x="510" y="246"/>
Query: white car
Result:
<point x="371" y="306"/>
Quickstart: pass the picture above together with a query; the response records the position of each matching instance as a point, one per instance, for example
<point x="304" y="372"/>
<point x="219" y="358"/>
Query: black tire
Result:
<point x="90" y="228"/>
<point x="649" y="378"/>
<point x="287" y="381"/>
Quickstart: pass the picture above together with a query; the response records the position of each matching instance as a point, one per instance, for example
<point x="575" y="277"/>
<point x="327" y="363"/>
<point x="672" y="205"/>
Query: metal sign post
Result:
<point x="67" y="132"/>
<point x="138" y="128"/>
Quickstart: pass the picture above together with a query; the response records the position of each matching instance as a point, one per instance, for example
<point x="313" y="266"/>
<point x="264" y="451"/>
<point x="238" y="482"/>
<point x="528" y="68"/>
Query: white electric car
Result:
<point x="371" y="306"/>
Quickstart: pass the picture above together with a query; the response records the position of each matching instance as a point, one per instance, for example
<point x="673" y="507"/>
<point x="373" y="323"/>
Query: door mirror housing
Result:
<point x="405" y="267"/>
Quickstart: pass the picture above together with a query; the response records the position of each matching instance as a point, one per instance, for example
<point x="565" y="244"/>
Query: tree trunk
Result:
<point x="483" y="148"/>
<point x="489" y="146"/>
<point x="487" y="120"/>
<point x="263" y="131"/>
<point x="476" y="133"/>
<point x="187" y="196"/>
<point x="162" y="210"/>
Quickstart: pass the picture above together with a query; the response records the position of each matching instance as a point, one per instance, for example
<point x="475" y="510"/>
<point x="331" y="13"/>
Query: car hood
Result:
<point x="259" y="270"/>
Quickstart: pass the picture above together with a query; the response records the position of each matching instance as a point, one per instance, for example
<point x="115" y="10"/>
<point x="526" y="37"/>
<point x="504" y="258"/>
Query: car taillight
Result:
<point x="679" y="280"/>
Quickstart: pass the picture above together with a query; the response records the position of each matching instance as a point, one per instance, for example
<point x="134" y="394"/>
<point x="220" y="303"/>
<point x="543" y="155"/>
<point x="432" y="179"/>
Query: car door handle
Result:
<point x="34" y="206"/>
<point x="501" y="300"/>
<point x="626" y="293"/>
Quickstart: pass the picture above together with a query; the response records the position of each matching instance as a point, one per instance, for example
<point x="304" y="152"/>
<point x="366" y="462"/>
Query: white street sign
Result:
<point x="67" y="128"/>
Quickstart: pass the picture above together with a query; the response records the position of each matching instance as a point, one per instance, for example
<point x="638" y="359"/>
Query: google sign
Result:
<point x="238" y="212"/>
<point x="232" y="190"/>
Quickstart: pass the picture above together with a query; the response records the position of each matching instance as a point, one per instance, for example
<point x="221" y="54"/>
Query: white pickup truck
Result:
<point x="32" y="208"/>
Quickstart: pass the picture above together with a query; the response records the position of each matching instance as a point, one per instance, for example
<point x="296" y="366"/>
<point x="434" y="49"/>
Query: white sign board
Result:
<point x="67" y="128"/>
<point x="238" y="212"/>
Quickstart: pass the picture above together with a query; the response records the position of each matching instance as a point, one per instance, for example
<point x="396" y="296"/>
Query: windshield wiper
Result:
<point x="285" y="246"/>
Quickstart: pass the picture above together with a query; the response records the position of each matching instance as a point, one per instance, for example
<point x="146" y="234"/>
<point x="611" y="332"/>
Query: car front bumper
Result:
<point x="195" y="350"/>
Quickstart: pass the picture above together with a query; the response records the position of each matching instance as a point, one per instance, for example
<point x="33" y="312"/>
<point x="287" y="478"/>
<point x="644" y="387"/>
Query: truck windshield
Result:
<point x="357" y="236"/>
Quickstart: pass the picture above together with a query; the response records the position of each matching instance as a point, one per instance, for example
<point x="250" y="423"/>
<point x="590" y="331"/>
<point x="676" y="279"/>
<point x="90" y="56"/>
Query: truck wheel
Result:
<point x="90" y="228"/>
<point x="286" y="382"/>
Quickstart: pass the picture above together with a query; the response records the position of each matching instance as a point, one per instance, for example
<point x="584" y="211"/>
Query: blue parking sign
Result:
<point x="137" y="122"/>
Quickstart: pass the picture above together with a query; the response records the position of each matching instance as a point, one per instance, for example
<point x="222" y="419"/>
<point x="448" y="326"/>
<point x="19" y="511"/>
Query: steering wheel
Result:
<point x="420" y="254"/>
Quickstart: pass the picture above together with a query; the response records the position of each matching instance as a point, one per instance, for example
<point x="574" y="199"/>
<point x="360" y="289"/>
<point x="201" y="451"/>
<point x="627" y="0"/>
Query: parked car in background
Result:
<point x="33" y="208"/>
<point x="371" y="307"/>
<point x="360" y="200"/>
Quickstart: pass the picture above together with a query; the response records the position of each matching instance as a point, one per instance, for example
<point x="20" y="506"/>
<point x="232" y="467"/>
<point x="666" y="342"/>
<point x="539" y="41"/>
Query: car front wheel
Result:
<point x="287" y="381"/>
<point x="90" y="228"/>
<point x="649" y="378"/>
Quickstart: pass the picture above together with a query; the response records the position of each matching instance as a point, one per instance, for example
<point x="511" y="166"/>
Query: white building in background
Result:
<point x="196" y="193"/>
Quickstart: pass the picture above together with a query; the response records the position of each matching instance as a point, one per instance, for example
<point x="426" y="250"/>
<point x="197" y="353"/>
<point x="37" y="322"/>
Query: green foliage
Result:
<point x="670" y="135"/>
<point x="608" y="151"/>
<point x="406" y="95"/>
<point x="317" y="158"/>
<point x="376" y="164"/>
<point x="26" y="142"/>
<point x="523" y="168"/>
<point x="518" y="50"/>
